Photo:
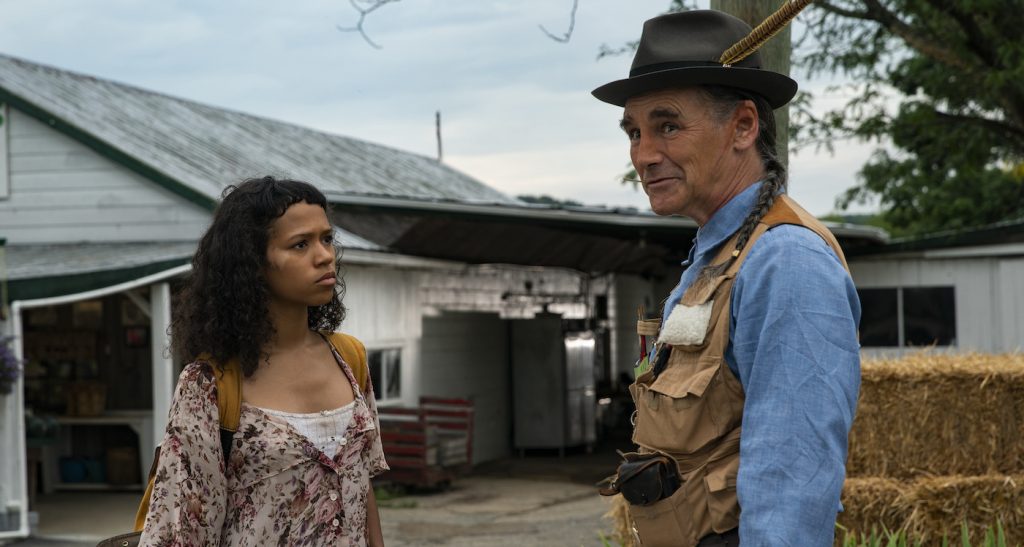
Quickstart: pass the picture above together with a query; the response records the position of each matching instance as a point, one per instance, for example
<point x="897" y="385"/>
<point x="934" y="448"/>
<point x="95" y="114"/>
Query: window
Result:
<point x="385" y="373"/>
<point x="929" y="316"/>
<point x="911" y="316"/>
<point x="879" y="317"/>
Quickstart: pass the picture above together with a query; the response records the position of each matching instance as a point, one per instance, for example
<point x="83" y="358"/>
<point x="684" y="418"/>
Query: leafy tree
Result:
<point x="545" y="199"/>
<point x="942" y="83"/>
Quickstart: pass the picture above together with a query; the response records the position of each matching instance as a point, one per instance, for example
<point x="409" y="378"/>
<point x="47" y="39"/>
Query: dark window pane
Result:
<point x="373" y="360"/>
<point x="878" y="319"/>
<point x="393" y="373"/>
<point x="929" y="316"/>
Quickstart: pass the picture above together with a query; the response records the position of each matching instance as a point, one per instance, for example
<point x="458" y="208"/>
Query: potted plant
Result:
<point x="10" y="366"/>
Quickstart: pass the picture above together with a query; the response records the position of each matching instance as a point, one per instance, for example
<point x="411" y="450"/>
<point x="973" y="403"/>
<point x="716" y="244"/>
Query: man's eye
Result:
<point x="633" y="134"/>
<point x="669" y="128"/>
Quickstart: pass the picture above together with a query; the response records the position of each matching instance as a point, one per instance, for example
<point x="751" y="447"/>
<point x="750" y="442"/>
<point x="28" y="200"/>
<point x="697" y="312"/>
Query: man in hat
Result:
<point x="756" y="371"/>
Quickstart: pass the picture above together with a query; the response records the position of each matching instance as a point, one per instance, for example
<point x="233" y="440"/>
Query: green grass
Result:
<point x="993" y="537"/>
<point x="393" y="497"/>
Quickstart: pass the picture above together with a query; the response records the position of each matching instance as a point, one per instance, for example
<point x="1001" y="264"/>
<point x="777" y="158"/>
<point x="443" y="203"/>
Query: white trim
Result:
<point x="973" y="251"/>
<point x="105" y="291"/>
<point x="5" y="172"/>
<point x="21" y="465"/>
<point x="162" y="367"/>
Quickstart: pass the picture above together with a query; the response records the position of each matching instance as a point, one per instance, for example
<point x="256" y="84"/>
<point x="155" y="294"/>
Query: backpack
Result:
<point x="229" y="406"/>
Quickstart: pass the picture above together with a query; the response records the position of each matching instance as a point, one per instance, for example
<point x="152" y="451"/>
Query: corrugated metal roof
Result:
<point x="206" y="148"/>
<point x="35" y="261"/>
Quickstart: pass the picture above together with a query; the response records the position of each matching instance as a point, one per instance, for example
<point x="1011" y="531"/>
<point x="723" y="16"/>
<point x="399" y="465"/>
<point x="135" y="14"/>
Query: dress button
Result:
<point x="334" y="496"/>
<point x="344" y="441"/>
<point x="335" y="522"/>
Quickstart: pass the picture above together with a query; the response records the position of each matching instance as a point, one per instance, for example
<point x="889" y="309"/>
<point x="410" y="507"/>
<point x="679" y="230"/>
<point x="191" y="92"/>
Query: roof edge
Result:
<point x="108" y="150"/>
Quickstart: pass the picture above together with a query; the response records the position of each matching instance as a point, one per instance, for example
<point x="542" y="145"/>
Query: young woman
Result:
<point x="265" y="292"/>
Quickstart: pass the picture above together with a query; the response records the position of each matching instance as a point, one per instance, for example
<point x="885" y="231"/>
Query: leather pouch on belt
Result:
<point x="645" y="478"/>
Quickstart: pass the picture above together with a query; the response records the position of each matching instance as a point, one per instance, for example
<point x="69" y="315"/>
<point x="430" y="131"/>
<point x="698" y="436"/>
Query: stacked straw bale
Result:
<point x="929" y="508"/>
<point x="939" y="415"/>
<point x="938" y="440"/>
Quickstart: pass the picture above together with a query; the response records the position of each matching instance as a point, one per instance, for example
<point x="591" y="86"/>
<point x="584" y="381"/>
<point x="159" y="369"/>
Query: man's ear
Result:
<point x="746" y="125"/>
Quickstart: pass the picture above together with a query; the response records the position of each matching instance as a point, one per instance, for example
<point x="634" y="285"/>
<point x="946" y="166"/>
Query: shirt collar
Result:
<point x="724" y="223"/>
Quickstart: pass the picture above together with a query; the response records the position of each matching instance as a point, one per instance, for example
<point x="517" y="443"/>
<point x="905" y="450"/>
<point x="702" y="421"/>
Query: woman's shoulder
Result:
<point x="198" y="373"/>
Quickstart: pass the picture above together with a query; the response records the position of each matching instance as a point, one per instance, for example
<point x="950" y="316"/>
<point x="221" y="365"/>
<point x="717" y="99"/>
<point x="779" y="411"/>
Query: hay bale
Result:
<point x="872" y="503"/>
<point x="930" y="414"/>
<point x="928" y="508"/>
<point x="622" y="526"/>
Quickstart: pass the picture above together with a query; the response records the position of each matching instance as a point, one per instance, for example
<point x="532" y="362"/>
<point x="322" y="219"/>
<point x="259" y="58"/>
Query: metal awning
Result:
<point x="588" y="239"/>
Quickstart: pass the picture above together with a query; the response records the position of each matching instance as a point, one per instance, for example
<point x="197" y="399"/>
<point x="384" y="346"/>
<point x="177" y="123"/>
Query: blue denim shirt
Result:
<point x="793" y="345"/>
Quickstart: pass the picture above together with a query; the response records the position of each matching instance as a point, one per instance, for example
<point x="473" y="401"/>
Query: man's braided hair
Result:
<point x="723" y="102"/>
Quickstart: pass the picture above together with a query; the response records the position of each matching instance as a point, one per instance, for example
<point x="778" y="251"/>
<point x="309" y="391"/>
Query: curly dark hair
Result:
<point x="222" y="307"/>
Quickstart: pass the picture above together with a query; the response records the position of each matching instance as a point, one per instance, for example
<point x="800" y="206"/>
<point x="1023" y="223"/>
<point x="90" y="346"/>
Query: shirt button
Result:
<point x="335" y="522"/>
<point x="334" y="496"/>
<point x="344" y="441"/>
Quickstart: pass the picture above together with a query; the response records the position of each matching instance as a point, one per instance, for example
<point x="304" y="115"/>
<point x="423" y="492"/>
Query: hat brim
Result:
<point x="776" y="88"/>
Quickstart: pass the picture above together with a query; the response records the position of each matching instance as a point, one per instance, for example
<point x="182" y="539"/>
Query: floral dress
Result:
<point x="278" y="488"/>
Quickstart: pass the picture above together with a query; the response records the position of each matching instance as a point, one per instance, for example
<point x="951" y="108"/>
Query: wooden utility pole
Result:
<point x="775" y="55"/>
<point x="437" y="126"/>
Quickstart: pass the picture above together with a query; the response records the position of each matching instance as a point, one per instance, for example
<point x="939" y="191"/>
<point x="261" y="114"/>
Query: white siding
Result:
<point x="5" y="181"/>
<point x="987" y="294"/>
<point x="384" y="311"/>
<point x="1011" y="318"/>
<point x="62" y="192"/>
<point x="466" y="355"/>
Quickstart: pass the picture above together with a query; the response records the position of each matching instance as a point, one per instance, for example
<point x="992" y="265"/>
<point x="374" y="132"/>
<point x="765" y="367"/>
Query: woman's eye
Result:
<point x="329" y="240"/>
<point x="300" y="245"/>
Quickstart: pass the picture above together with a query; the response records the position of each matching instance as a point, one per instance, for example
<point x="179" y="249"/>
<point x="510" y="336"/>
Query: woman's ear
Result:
<point x="746" y="125"/>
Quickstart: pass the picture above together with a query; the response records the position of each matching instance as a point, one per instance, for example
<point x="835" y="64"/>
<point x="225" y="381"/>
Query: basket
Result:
<point x="86" y="399"/>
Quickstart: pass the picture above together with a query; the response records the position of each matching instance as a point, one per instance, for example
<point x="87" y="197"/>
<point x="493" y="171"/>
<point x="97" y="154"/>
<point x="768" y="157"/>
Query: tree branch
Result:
<point x="877" y="12"/>
<point x="836" y="10"/>
<point x="975" y="37"/>
<point x="994" y="125"/>
<point x="371" y="6"/>
<point x="572" y="24"/>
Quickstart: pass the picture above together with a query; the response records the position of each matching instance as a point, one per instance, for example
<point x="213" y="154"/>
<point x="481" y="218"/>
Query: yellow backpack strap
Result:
<point x="229" y="394"/>
<point x="354" y="354"/>
<point x="229" y="405"/>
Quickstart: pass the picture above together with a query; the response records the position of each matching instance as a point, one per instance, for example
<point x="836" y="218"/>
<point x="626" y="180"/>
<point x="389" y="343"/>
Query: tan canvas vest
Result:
<point x="692" y="411"/>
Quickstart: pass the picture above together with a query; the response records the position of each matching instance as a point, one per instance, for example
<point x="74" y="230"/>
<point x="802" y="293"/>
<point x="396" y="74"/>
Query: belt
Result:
<point x="728" y="539"/>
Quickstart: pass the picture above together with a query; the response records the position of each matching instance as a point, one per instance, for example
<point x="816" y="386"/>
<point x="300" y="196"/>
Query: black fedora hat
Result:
<point x="683" y="49"/>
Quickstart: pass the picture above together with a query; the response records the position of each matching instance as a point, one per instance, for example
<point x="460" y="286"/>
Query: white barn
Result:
<point x="960" y="291"/>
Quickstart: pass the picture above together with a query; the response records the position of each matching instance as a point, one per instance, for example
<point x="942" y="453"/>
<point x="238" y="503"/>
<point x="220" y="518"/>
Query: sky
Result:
<point x="515" y="105"/>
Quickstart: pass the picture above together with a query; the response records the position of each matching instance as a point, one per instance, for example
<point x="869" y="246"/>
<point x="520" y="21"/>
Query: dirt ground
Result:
<point x="538" y="500"/>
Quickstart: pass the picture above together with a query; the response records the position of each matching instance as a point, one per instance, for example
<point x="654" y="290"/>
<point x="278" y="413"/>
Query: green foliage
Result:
<point x="393" y="497"/>
<point x="993" y="537"/>
<point x="942" y="81"/>
<point x="548" y="200"/>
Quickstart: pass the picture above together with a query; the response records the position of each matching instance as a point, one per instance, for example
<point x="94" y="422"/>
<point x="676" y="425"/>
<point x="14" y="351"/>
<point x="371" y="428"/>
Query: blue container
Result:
<point x="95" y="470"/>
<point x="72" y="469"/>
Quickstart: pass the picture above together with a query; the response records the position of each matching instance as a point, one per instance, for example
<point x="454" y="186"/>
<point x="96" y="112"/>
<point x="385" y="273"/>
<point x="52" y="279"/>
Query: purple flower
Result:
<point x="10" y="365"/>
